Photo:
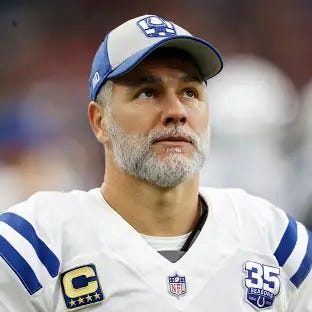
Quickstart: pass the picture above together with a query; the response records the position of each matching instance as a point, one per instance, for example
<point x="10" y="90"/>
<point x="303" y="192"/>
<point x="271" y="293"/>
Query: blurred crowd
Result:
<point x="261" y="104"/>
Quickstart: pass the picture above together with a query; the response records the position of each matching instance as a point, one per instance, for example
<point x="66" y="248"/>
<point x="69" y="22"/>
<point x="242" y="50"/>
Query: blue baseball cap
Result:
<point x="131" y="42"/>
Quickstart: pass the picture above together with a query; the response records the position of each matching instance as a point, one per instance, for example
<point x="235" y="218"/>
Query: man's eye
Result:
<point x="146" y="93"/>
<point x="190" y="93"/>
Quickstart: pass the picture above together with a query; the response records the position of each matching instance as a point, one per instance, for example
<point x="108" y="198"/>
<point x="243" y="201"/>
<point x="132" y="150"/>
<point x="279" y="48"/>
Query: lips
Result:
<point x="173" y="138"/>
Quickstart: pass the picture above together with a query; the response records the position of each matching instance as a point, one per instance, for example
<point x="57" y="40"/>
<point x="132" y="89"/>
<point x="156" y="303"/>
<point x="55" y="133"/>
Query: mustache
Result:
<point x="192" y="136"/>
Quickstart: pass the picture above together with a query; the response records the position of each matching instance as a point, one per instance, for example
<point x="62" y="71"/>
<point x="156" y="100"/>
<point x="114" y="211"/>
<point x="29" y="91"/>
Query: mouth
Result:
<point x="173" y="140"/>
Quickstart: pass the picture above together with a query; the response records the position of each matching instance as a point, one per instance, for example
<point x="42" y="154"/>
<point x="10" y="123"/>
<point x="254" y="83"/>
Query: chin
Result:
<point x="174" y="154"/>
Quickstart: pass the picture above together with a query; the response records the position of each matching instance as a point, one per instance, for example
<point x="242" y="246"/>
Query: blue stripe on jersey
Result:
<point x="287" y="243"/>
<point x="305" y="265"/>
<point x="18" y="264"/>
<point x="44" y="253"/>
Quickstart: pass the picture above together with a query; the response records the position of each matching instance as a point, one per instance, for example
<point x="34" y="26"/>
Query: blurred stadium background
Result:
<point x="261" y="104"/>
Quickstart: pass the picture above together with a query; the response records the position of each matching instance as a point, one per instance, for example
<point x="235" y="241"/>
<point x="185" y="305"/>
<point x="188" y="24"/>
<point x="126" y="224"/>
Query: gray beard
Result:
<point x="132" y="153"/>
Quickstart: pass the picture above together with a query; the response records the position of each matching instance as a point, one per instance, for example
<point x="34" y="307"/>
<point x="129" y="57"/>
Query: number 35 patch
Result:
<point x="262" y="284"/>
<point x="81" y="287"/>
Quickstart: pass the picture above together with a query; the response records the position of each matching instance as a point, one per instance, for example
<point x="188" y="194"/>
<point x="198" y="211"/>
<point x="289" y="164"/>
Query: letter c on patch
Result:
<point x="90" y="287"/>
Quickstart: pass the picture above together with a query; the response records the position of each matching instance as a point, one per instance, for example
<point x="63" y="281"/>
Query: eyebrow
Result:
<point x="192" y="78"/>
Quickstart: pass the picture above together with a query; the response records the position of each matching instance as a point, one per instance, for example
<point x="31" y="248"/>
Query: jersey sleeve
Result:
<point x="294" y="252"/>
<point x="13" y="297"/>
<point x="302" y="301"/>
<point x="291" y="244"/>
<point x="28" y="265"/>
<point x="294" y="255"/>
<point x="285" y="239"/>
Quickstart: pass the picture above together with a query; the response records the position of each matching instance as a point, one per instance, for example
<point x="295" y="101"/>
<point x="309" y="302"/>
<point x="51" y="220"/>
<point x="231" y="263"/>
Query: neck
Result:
<point x="149" y="209"/>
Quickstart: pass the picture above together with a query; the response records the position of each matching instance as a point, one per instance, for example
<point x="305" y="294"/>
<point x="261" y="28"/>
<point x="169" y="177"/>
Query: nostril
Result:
<point x="169" y="120"/>
<point x="173" y="120"/>
<point x="183" y="120"/>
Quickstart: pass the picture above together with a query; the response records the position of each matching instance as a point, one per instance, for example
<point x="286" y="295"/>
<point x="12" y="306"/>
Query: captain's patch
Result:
<point x="81" y="287"/>
<point x="262" y="284"/>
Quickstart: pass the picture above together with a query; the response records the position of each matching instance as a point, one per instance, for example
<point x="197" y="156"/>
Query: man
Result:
<point x="149" y="237"/>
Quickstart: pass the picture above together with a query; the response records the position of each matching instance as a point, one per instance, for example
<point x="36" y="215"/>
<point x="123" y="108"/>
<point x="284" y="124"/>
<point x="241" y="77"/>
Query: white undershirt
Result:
<point x="166" y="243"/>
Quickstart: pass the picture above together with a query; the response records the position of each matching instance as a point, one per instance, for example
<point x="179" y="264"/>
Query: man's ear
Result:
<point x="96" y="119"/>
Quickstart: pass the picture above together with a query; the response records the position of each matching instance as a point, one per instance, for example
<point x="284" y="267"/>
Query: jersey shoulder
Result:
<point x="251" y="211"/>
<point x="33" y="235"/>
<point x="266" y="229"/>
<point x="49" y="209"/>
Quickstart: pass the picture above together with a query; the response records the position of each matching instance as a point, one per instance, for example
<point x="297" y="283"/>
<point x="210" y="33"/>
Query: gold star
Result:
<point x="97" y="296"/>
<point x="80" y="300"/>
<point x="72" y="303"/>
<point x="89" y="298"/>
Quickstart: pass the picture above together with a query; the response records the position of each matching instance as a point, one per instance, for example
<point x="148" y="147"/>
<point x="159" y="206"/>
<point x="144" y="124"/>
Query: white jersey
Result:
<point x="71" y="251"/>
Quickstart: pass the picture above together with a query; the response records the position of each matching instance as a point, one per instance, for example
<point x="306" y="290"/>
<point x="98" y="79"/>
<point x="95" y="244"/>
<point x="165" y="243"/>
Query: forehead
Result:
<point x="166" y="58"/>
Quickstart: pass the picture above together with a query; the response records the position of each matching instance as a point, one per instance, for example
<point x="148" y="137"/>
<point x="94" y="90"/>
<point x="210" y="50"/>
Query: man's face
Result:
<point x="158" y="121"/>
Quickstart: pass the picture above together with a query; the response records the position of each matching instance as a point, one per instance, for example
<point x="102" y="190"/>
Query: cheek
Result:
<point x="134" y="123"/>
<point x="199" y="119"/>
<point x="136" y="119"/>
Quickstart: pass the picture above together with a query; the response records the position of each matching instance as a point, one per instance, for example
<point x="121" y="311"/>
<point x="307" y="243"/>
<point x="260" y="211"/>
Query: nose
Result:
<point x="174" y="112"/>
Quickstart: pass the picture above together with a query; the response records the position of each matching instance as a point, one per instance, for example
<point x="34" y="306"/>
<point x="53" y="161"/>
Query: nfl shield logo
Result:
<point x="177" y="285"/>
